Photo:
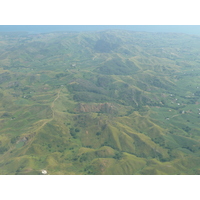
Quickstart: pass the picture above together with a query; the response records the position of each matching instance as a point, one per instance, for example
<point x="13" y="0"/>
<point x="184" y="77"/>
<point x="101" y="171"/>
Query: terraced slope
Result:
<point x="110" y="102"/>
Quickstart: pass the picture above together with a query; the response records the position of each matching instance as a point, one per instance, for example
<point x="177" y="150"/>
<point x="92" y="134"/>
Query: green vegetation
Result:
<point x="110" y="102"/>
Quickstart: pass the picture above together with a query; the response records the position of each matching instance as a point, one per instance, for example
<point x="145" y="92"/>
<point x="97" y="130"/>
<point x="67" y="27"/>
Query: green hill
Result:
<point x="106" y="102"/>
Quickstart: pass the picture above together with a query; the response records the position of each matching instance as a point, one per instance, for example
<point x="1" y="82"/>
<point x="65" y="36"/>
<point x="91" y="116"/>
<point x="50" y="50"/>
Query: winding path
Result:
<point x="53" y="103"/>
<point x="53" y="112"/>
<point x="41" y="126"/>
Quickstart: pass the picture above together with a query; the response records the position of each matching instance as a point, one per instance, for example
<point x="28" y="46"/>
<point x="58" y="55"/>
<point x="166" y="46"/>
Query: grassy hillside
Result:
<point x="107" y="102"/>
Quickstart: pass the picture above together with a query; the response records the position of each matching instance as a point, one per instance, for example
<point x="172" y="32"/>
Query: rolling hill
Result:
<point x="102" y="103"/>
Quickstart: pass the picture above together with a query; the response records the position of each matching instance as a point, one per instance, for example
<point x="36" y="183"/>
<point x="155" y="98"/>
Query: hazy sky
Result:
<point x="190" y="29"/>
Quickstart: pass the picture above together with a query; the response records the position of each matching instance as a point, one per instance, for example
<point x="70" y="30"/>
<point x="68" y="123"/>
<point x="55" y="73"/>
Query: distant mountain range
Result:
<point x="188" y="29"/>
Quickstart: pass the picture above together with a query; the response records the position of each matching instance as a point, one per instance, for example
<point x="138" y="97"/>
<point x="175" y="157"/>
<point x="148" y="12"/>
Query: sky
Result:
<point x="77" y="15"/>
<point x="189" y="29"/>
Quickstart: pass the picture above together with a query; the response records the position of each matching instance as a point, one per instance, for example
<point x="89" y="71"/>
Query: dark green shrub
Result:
<point x="98" y="133"/>
<point x="118" y="155"/>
